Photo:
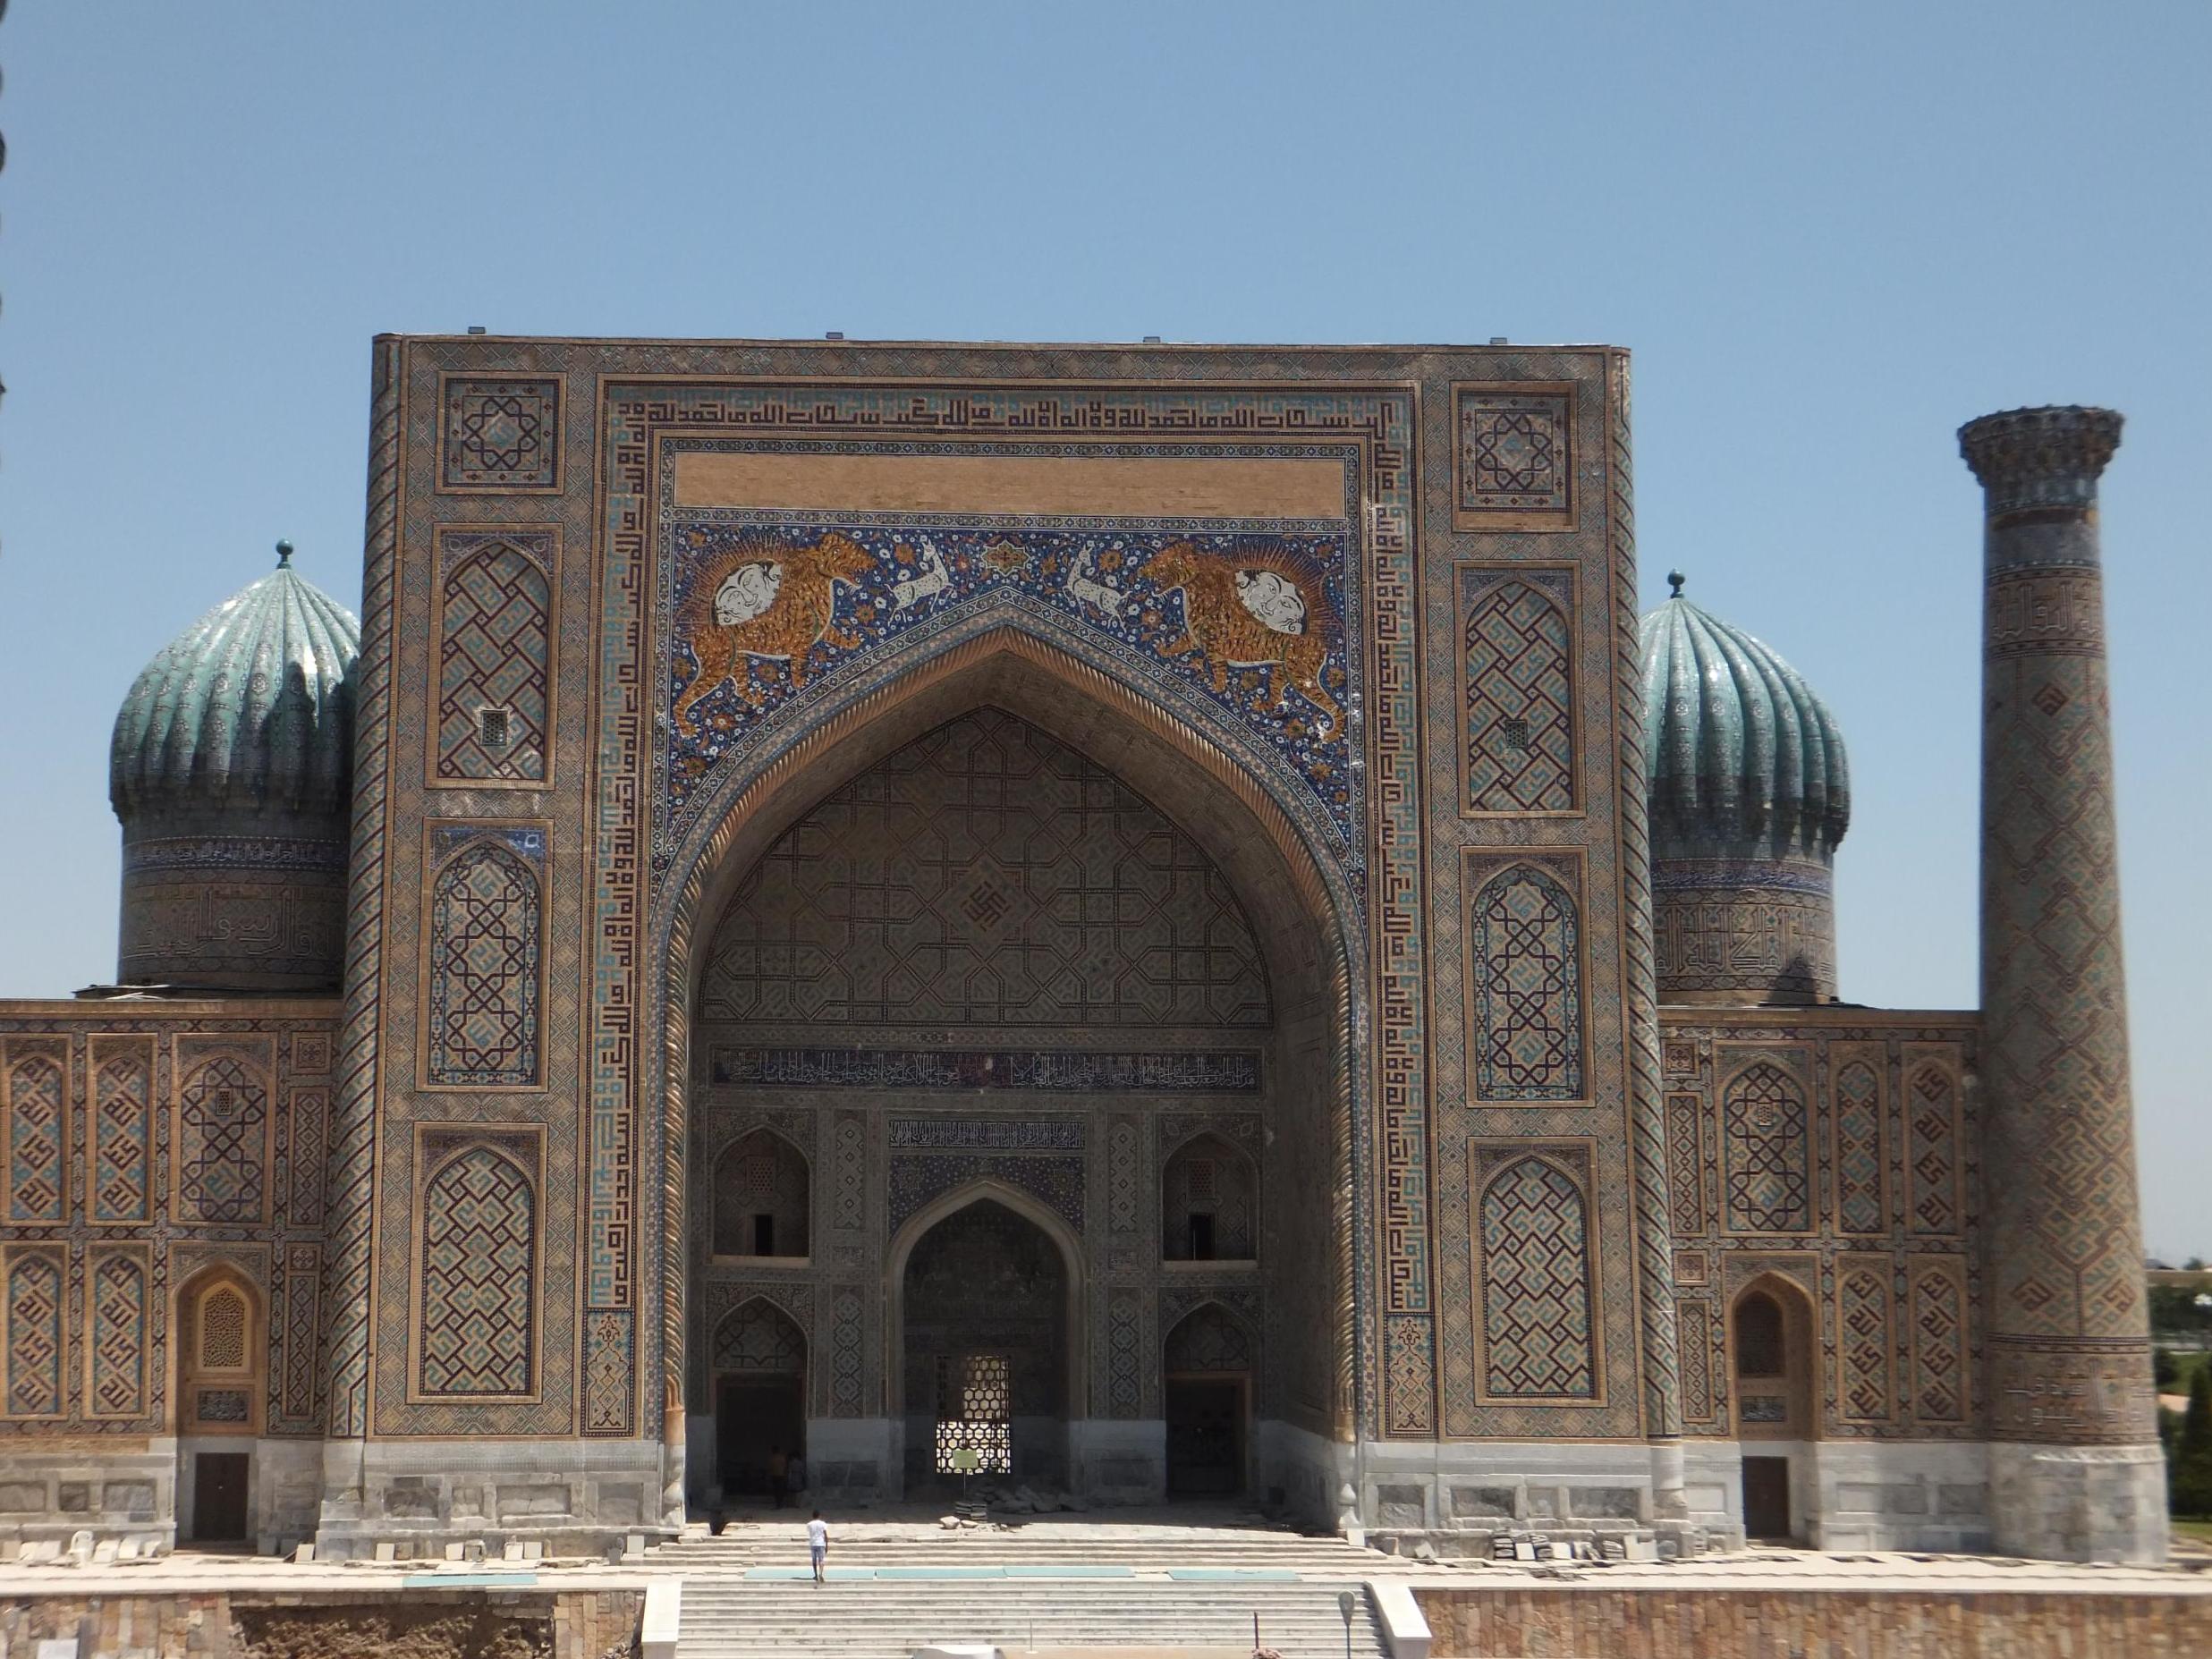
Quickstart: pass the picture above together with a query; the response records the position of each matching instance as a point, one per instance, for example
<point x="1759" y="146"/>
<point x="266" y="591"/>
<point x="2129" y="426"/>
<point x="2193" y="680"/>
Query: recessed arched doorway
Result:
<point x="1207" y="1363"/>
<point x="759" y="1360"/>
<point x="990" y="1293"/>
<point x="1771" y="1358"/>
<point x="898" y="952"/>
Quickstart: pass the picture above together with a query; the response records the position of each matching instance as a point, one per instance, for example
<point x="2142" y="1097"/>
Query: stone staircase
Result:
<point x="748" y="1593"/>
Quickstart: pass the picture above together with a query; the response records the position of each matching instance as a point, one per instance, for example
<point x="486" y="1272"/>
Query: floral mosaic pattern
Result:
<point x="1258" y="621"/>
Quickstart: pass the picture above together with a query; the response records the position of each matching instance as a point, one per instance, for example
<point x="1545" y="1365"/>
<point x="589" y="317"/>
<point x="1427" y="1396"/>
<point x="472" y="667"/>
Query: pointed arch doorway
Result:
<point x="987" y="1306"/>
<point x="930" y="893"/>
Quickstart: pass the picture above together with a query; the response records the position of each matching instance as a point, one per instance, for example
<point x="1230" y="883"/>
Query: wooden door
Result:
<point x="1205" y="1436"/>
<point x="219" y="1497"/>
<point x="1767" y="1497"/>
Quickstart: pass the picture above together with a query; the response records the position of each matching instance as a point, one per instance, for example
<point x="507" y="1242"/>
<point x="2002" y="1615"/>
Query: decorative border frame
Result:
<point x="15" y="1047"/>
<point x="1568" y="865"/>
<point x="433" y="664"/>
<point x="1731" y="1060"/>
<point x="467" y="830"/>
<point x="55" y="1252"/>
<point x="1575" y="1156"/>
<point x="190" y="1049"/>
<point x="98" y="1046"/>
<point x="141" y="1252"/>
<point x="556" y="441"/>
<point x="1875" y="1057"/>
<point x="1481" y="575"/>
<point x="524" y="1143"/>
<point x="1490" y="521"/>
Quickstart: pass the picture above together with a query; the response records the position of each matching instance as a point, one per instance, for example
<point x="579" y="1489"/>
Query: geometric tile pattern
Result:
<point x="760" y="1339"/>
<point x="1897" y="1323"/>
<point x="36" y="1127"/>
<point x="1685" y="1162"/>
<point x="118" y="1381"/>
<point x="1124" y="1368"/>
<point x="495" y="657"/>
<point x="1206" y="1339"/>
<point x="1520" y="695"/>
<point x="34" y="1335"/>
<point x="1769" y="1153"/>
<point x="122" y="1153"/>
<point x="1515" y="454"/>
<point x="2065" y="1252"/>
<point x="1863" y="1340"/>
<point x="1695" y="1321"/>
<point x="501" y="432"/>
<point x="1857" y="1093"/>
<point x="847" y="1310"/>
<point x="486" y="944"/>
<point x="1524" y="957"/>
<point x="1030" y="887"/>
<point x="1932" y="1148"/>
<point x="1536" y="1338"/>
<point x="479" y="1284"/>
<point x="223" y="1120"/>
<point x="1939" y="1341"/>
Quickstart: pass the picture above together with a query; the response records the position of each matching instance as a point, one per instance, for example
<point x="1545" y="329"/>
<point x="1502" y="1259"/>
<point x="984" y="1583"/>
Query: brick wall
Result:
<point x="425" y="1624"/>
<point x="1601" y="1624"/>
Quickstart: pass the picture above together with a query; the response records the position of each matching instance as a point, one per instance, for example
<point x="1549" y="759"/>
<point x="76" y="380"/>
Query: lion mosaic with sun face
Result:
<point x="1252" y="608"/>
<point x="766" y="600"/>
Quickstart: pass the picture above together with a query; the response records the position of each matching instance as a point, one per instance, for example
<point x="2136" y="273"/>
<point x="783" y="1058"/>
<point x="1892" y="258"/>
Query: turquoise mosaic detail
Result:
<point x="1740" y="752"/>
<point x="251" y="706"/>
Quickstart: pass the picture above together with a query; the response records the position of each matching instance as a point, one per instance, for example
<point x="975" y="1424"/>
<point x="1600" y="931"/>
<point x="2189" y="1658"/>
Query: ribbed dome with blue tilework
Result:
<point x="1741" y="754"/>
<point x="232" y="769"/>
<point x="251" y="707"/>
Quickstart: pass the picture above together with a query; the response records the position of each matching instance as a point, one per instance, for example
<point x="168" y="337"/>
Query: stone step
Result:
<point x="886" y="1619"/>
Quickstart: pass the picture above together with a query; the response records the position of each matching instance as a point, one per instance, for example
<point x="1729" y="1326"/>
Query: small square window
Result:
<point x="491" y="727"/>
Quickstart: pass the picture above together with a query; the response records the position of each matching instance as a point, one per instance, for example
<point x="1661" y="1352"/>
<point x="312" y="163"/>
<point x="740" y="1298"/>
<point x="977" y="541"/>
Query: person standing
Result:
<point x="818" y="1544"/>
<point x="779" y="1476"/>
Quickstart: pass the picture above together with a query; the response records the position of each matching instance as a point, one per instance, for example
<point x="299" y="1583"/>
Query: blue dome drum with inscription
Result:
<point x="231" y="768"/>
<point x="1749" y="794"/>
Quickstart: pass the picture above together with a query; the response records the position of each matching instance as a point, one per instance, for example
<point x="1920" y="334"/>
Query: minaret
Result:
<point x="2075" y="1471"/>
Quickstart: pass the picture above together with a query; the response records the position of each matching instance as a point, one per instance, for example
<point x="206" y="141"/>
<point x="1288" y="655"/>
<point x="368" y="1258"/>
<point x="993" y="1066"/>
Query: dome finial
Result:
<point x="1675" y="579"/>
<point x="284" y="556"/>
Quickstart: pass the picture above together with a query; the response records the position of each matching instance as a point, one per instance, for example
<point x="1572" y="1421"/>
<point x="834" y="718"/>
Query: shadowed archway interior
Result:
<point x="984" y="952"/>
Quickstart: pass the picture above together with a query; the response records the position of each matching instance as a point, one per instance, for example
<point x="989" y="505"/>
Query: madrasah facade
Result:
<point x="1154" y="915"/>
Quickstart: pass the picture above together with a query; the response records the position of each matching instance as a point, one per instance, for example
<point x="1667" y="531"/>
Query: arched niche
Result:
<point x="757" y="1366"/>
<point x="1209" y="1203"/>
<point x="222" y="1379"/>
<point x="1208" y="1362"/>
<point x="1775" y="1396"/>
<point x="762" y="1198"/>
<point x="1300" y="912"/>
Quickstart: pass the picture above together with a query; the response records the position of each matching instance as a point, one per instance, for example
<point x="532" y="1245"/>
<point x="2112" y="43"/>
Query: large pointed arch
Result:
<point x="1165" y="747"/>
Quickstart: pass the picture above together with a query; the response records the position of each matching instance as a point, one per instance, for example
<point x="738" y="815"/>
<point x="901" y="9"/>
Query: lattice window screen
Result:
<point x="976" y="1393"/>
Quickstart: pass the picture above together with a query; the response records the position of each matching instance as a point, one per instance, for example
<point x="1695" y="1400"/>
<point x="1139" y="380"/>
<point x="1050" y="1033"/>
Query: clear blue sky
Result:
<point x="1829" y="234"/>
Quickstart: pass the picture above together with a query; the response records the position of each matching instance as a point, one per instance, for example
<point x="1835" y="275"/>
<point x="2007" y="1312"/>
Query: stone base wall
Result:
<point x="1853" y="1495"/>
<point x="1587" y="1623"/>
<point x="571" y="1497"/>
<point x="426" y="1624"/>
<point x="2083" y="1503"/>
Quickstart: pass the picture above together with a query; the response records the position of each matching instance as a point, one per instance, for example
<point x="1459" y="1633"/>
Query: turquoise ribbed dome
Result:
<point x="250" y="708"/>
<point x="1741" y="755"/>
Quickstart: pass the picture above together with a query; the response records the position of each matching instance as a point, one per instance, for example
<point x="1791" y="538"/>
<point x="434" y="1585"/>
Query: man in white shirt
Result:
<point x="818" y="1543"/>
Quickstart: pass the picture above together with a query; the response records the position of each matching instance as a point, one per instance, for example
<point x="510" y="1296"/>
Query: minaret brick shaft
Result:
<point x="2076" y="1471"/>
